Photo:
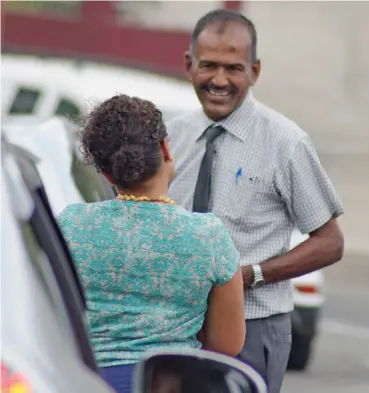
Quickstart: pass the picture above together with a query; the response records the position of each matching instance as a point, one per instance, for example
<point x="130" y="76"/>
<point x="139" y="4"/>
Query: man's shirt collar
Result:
<point x="235" y="123"/>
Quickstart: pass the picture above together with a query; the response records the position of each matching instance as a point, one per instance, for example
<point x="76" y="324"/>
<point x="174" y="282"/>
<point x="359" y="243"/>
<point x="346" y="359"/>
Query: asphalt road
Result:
<point x="341" y="357"/>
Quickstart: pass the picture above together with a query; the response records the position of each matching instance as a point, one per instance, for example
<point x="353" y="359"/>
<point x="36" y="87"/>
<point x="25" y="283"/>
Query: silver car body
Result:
<point x="37" y="338"/>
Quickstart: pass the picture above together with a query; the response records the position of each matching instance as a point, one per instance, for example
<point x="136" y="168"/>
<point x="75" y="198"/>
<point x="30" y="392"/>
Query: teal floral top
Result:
<point x="147" y="270"/>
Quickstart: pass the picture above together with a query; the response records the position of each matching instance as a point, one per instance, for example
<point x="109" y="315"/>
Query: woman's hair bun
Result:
<point x="121" y="137"/>
<point x="128" y="164"/>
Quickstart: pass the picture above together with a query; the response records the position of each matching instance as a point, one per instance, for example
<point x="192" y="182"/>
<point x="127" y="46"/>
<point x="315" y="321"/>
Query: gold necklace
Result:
<point x="133" y="198"/>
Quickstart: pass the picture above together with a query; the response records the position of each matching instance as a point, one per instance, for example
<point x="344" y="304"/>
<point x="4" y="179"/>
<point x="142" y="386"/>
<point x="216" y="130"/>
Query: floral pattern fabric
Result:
<point x="147" y="270"/>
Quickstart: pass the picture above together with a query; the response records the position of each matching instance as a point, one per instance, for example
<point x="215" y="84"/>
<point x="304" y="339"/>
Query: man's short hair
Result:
<point x="224" y="16"/>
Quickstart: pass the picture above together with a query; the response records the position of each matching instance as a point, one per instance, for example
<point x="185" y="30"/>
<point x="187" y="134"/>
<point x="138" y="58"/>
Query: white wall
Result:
<point x="315" y="58"/>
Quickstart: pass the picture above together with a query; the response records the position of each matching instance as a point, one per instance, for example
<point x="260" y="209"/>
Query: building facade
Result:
<point x="315" y="57"/>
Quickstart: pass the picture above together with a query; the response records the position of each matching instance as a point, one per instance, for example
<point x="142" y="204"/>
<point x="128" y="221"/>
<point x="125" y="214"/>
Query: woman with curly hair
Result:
<point x="154" y="274"/>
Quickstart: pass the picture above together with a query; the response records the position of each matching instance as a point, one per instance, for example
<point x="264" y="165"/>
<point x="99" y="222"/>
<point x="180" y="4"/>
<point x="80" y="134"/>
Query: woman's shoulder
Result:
<point x="70" y="209"/>
<point x="79" y="210"/>
<point x="202" y="221"/>
<point x="69" y="212"/>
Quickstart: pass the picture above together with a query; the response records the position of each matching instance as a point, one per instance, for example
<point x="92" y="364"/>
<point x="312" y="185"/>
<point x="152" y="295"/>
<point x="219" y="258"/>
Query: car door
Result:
<point x="42" y="315"/>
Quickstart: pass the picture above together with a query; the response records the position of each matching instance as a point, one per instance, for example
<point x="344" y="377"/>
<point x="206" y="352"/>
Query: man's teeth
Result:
<point x="218" y="93"/>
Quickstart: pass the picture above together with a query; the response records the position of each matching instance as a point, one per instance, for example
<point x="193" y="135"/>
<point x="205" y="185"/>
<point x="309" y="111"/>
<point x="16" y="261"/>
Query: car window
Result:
<point x="25" y="101"/>
<point x="67" y="108"/>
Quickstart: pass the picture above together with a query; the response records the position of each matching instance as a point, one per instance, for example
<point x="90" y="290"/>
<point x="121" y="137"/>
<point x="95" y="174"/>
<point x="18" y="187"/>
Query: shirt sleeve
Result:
<point x="306" y="189"/>
<point x="226" y="256"/>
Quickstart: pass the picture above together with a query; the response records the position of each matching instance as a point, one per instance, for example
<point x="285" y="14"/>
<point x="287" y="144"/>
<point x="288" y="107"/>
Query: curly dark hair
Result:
<point x="121" y="137"/>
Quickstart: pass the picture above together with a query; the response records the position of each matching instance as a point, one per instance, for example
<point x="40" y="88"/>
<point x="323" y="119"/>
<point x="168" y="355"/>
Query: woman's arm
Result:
<point x="224" y="328"/>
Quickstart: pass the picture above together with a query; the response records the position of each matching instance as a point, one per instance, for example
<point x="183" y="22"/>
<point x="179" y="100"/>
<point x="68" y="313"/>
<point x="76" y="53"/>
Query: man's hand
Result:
<point x="247" y="276"/>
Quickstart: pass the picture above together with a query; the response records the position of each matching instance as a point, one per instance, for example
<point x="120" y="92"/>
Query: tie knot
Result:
<point x="212" y="133"/>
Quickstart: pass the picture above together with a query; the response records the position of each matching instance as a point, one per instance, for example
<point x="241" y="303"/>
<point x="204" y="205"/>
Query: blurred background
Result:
<point x="58" y="57"/>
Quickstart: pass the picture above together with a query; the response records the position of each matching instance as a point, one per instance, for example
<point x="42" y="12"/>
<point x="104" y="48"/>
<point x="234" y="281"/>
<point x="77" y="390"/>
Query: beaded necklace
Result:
<point x="159" y="199"/>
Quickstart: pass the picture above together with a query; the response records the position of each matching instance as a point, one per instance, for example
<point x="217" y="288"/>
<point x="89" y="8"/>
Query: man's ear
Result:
<point x="255" y="72"/>
<point x="188" y="65"/>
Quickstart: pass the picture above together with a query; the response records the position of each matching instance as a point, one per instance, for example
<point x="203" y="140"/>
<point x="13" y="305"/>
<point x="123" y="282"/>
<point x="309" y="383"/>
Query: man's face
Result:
<point x="221" y="68"/>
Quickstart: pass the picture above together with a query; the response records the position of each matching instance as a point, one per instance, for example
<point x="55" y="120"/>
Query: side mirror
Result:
<point x="195" y="371"/>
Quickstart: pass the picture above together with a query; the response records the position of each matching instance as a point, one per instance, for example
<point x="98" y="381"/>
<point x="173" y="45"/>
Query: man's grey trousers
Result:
<point x="267" y="348"/>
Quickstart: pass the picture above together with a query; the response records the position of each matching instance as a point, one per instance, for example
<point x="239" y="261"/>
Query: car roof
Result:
<point x="92" y="82"/>
<point x="15" y="127"/>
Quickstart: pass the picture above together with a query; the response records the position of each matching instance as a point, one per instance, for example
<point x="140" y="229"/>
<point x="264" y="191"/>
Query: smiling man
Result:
<point x="259" y="172"/>
<point x="222" y="64"/>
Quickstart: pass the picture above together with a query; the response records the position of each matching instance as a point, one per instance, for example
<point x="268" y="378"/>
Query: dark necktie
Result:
<point x="202" y="189"/>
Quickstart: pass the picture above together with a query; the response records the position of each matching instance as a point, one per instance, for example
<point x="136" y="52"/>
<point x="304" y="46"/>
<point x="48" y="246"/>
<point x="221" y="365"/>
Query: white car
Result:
<point x="44" y="343"/>
<point x="47" y="87"/>
<point x="54" y="87"/>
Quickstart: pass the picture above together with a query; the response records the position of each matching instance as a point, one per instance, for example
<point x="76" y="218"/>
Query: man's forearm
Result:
<point x="315" y="253"/>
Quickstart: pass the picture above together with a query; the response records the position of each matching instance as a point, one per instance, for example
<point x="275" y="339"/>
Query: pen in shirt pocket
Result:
<point x="238" y="175"/>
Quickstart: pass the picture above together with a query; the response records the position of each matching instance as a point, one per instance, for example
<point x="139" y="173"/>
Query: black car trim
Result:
<point x="28" y="162"/>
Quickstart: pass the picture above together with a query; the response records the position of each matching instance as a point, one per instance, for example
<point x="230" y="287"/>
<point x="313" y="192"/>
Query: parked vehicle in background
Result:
<point x="52" y="87"/>
<point x="308" y="297"/>
<point x="55" y="87"/>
